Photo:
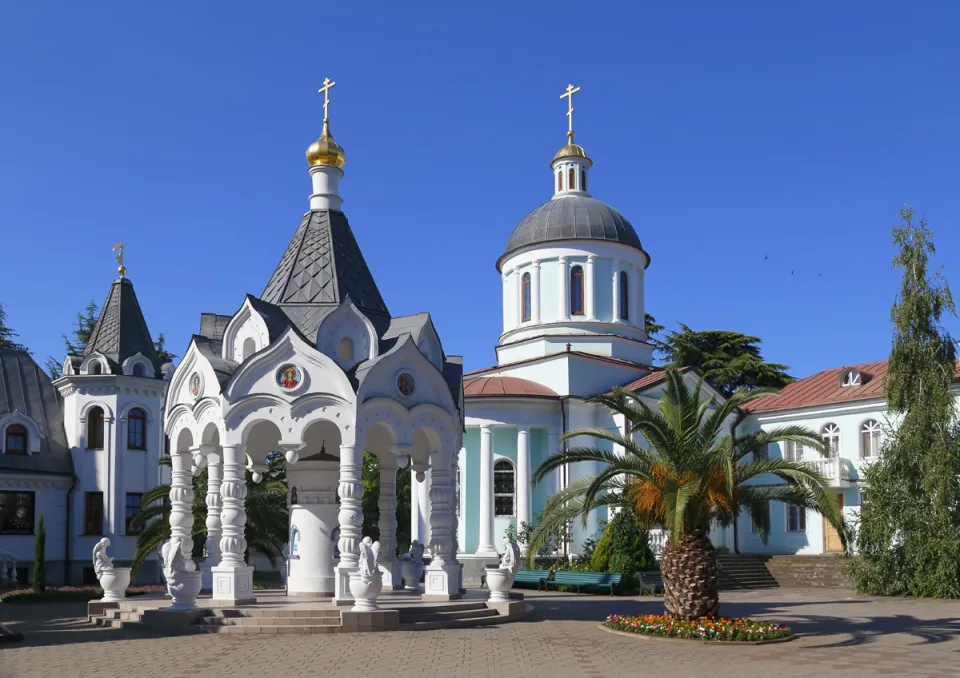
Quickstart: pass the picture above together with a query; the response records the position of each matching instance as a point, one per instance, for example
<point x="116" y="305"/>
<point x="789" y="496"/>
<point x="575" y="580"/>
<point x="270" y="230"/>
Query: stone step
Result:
<point x="271" y="621"/>
<point x="117" y="623"/>
<point x="450" y="623"/>
<point x="446" y="607"/>
<point x="446" y="616"/>
<point x="269" y="629"/>
<point x="273" y="613"/>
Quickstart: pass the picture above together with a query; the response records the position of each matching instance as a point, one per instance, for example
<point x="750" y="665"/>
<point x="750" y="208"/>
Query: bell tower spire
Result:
<point x="570" y="165"/>
<point x="326" y="158"/>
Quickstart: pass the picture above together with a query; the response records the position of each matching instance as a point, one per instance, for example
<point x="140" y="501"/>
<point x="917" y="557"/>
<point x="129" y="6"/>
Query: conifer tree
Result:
<point x="908" y="539"/>
<point x="7" y="335"/>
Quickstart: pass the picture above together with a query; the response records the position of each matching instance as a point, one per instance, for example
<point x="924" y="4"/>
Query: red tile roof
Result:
<point x="504" y="386"/>
<point x="652" y="379"/>
<point x="824" y="388"/>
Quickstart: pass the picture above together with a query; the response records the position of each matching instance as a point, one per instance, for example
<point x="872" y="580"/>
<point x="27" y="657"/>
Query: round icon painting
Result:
<point x="405" y="384"/>
<point x="196" y="384"/>
<point x="289" y="377"/>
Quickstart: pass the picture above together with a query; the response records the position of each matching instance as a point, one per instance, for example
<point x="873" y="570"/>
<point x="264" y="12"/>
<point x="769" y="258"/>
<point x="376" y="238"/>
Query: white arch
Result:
<point x="107" y="411"/>
<point x="246" y="323"/>
<point x="138" y="359"/>
<point x="95" y="357"/>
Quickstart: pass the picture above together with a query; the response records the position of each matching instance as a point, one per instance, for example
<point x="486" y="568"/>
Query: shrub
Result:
<point x="39" y="558"/>
<point x="65" y="594"/>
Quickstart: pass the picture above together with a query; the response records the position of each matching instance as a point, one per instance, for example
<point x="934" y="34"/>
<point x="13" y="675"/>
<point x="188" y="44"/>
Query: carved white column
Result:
<point x="423" y="500"/>
<point x="389" y="563"/>
<point x="563" y="283"/>
<point x="590" y="288"/>
<point x="233" y="578"/>
<point x="442" y="577"/>
<point x="616" y="291"/>
<point x="350" y="516"/>
<point x="523" y="479"/>
<point x="181" y="503"/>
<point x="535" y="291"/>
<point x="415" y="526"/>
<point x="214" y="506"/>
<point x="486" y="546"/>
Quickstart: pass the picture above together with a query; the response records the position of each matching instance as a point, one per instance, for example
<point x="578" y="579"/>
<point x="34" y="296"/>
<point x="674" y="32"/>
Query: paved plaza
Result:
<point x="841" y="634"/>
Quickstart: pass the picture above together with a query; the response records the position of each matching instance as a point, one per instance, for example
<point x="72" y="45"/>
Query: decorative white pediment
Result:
<point x="138" y="366"/>
<point x="428" y="341"/>
<point x="287" y="369"/>
<point x="193" y="379"/>
<point x="91" y="362"/>
<point x="34" y="433"/>
<point x="245" y="335"/>
<point x="347" y="336"/>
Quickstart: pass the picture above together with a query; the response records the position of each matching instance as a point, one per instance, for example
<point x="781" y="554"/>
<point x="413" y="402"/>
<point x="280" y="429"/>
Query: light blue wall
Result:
<point x="539" y="439"/>
<point x="470" y="484"/>
<point x="603" y="289"/>
<point x="549" y="291"/>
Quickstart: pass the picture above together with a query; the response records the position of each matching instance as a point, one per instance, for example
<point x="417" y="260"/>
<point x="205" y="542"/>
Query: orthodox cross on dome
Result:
<point x="118" y="248"/>
<point x="568" y="95"/>
<point x="325" y="91"/>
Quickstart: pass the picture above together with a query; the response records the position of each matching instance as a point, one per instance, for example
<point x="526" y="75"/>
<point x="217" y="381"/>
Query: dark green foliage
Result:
<point x="39" y="559"/>
<point x="623" y="548"/>
<point x="908" y="539"/>
<point x="7" y="335"/>
<point x="163" y="355"/>
<point x="650" y="326"/>
<point x="370" y="478"/>
<point x="726" y="360"/>
<point x="403" y="509"/>
<point x="83" y="330"/>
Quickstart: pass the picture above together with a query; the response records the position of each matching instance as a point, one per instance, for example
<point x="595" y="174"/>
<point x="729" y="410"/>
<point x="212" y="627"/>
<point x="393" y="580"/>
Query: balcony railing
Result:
<point x="658" y="538"/>
<point x="835" y="469"/>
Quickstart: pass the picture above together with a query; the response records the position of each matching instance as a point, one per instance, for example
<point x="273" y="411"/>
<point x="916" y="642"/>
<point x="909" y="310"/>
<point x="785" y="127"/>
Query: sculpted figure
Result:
<point x="416" y="552"/>
<point x="101" y="561"/>
<point x="369" y="559"/>
<point x="173" y="560"/>
<point x="511" y="556"/>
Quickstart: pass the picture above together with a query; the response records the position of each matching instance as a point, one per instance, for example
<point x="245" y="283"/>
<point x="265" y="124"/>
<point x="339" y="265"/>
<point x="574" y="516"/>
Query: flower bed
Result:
<point x="62" y="594"/>
<point x="721" y="628"/>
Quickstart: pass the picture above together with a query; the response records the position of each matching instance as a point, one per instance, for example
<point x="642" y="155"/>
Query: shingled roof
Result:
<point x="321" y="266"/>
<point x="121" y="331"/>
<point x="27" y="389"/>
<point x="824" y="388"/>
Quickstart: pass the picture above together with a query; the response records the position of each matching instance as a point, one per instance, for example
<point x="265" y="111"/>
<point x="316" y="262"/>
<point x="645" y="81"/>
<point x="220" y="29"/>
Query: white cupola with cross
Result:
<point x="326" y="158"/>
<point x="570" y="165"/>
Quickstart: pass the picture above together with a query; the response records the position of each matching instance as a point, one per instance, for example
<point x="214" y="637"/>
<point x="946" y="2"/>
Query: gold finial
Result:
<point x="325" y="91"/>
<point x="326" y="151"/>
<point x="118" y="248"/>
<point x="568" y="95"/>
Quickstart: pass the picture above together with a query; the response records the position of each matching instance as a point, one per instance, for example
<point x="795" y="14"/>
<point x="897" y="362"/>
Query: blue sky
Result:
<point x="724" y="131"/>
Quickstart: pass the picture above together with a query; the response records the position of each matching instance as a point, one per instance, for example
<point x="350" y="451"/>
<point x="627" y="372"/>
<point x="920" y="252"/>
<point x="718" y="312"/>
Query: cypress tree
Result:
<point x="39" y="556"/>
<point x="908" y="540"/>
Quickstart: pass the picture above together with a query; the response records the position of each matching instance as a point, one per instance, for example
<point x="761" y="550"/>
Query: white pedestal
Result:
<point x="392" y="574"/>
<point x="342" y="584"/>
<point x="442" y="582"/>
<point x="233" y="584"/>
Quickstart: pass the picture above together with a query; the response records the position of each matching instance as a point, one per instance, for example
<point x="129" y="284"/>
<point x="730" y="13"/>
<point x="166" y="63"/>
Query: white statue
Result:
<point x="173" y="560"/>
<point x="369" y="559"/>
<point x="416" y="552"/>
<point x="511" y="557"/>
<point x="101" y="561"/>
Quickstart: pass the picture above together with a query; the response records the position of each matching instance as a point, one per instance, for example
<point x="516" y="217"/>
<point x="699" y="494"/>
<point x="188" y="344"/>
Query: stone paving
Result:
<point x="841" y="634"/>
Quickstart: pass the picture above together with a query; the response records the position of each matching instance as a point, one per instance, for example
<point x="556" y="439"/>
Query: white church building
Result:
<point x="318" y="368"/>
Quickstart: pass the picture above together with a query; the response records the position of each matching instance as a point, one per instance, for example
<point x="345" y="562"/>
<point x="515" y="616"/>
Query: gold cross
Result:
<point x="568" y="95"/>
<point x="120" y="269"/>
<point x="325" y="91"/>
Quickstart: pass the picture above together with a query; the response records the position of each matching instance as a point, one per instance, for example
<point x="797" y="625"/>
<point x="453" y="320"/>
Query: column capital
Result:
<point x="535" y="263"/>
<point x="591" y="258"/>
<point x="524" y="428"/>
<point x="562" y="259"/>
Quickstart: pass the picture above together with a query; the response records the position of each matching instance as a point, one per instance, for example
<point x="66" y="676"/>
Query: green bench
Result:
<point x="581" y="580"/>
<point x="651" y="580"/>
<point x="524" y="577"/>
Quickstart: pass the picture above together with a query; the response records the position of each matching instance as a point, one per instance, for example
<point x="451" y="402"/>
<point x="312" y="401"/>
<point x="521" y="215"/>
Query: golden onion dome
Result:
<point x="326" y="151"/>
<point x="571" y="150"/>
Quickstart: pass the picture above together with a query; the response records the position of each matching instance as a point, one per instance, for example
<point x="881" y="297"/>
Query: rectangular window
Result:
<point x="136" y="436"/>
<point x="796" y="519"/>
<point x="793" y="451"/>
<point x="93" y="513"/>
<point x="132" y="508"/>
<point x="16" y="512"/>
<point x="761" y="454"/>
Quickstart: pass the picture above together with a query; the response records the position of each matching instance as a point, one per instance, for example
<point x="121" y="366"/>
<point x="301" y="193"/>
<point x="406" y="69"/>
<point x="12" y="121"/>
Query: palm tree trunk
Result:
<point x="691" y="581"/>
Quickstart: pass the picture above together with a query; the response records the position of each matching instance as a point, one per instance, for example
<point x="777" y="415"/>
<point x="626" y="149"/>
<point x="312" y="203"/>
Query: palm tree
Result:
<point x="265" y="506"/>
<point x="689" y="474"/>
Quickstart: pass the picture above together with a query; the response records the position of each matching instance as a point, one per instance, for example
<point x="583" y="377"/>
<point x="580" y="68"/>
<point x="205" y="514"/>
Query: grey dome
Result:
<point x="572" y="217"/>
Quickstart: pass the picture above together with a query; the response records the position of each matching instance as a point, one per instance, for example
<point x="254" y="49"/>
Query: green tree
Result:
<point x="80" y="336"/>
<point x="651" y="326"/>
<point x="370" y="479"/>
<point x="727" y="360"/>
<point x="690" y="474"/>
<point x="40" y="559"/>
<point x="7" y="335"/>
<point x="908" y="541"/>
<point x="163" y="355"/>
